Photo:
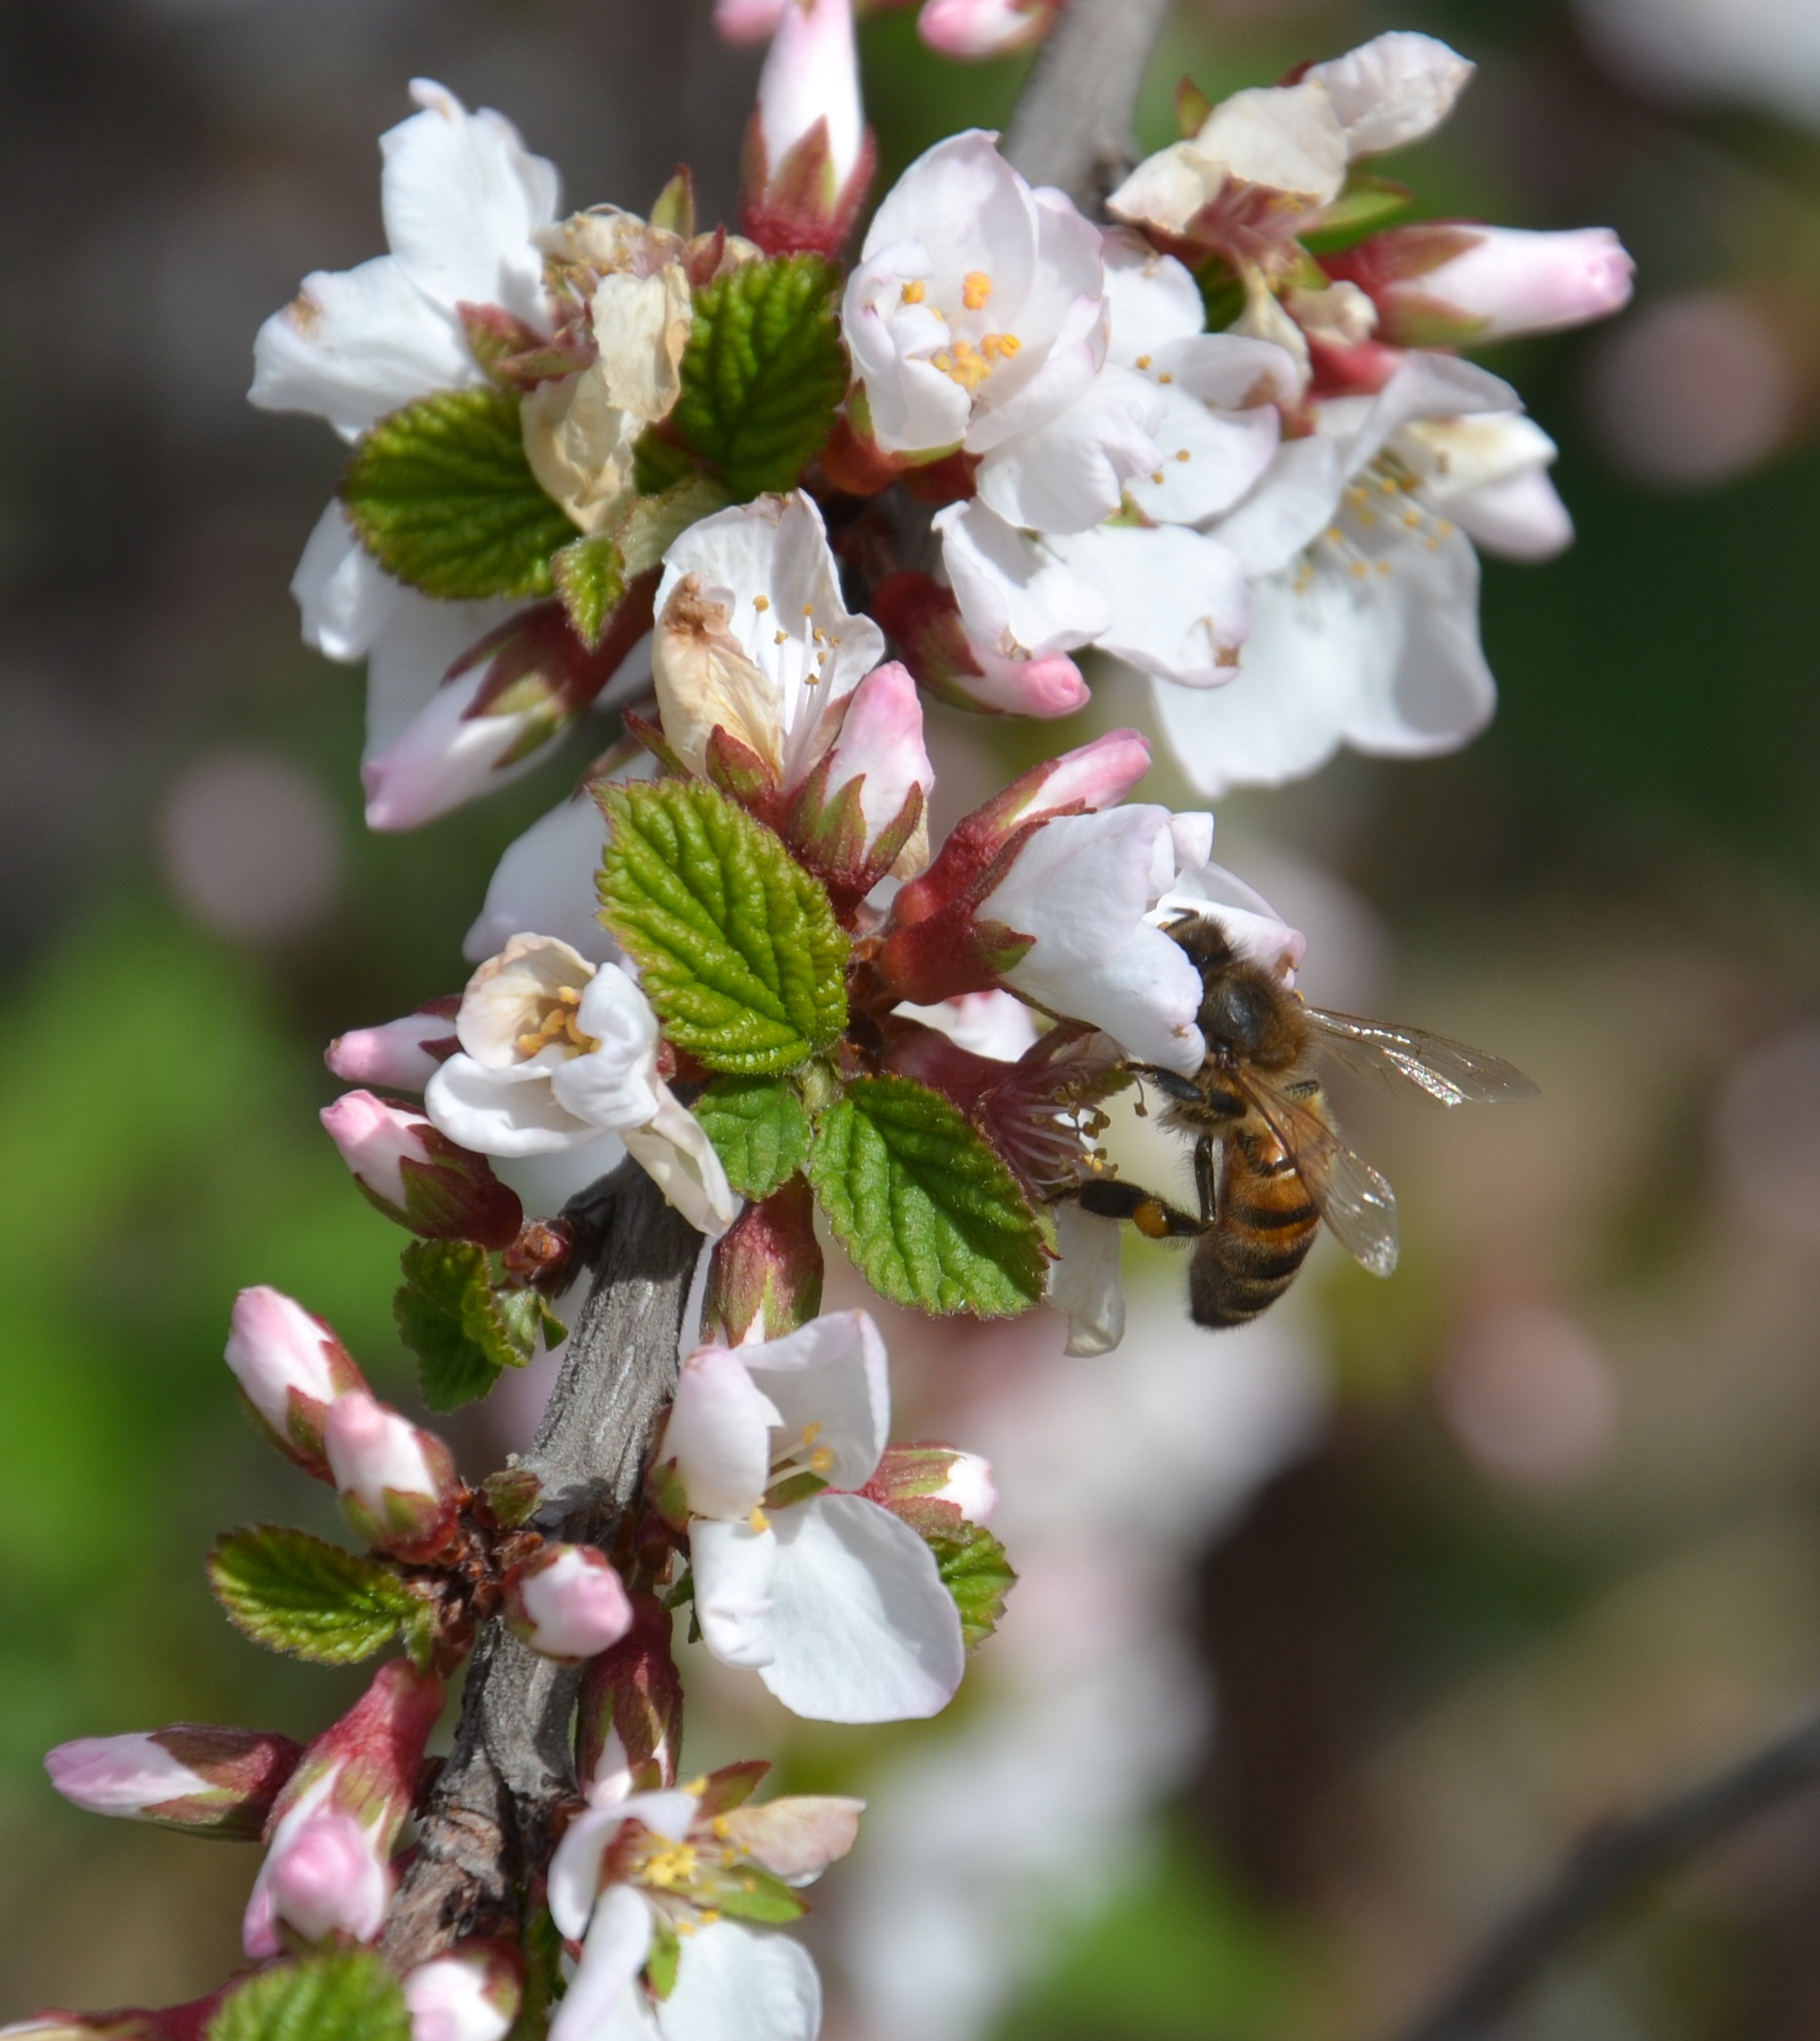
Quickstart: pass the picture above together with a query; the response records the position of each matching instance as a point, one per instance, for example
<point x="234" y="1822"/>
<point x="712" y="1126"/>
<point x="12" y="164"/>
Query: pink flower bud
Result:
<point x="1442" y="283"/>
<point x="291" y="1368"/>
<point x="746" y="21"/>
<point x="397" y="1484"/>
<point x="862" y="812"/>
<point x="402" y="1055"/>
<point x="809" y="155"/>
<point x="417" y="1176"/>
<point x="328" y="1881"/>
<point x="1049" y="685"/>
<point x="969" y="1486"/>
<point x="629" y="1723"/>
<point x="984" y="27"/>
<point x="218" y="1781"/>
<point x="451" y="752"/>
<point x="472" y="1994"/>
<point x="567" y="1602"/>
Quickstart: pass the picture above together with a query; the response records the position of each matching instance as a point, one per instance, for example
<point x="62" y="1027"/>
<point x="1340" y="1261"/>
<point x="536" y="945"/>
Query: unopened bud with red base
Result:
<point x="765" y="1277"/>
<point x="567" y="1602"/>
<point x="327" y="1876"/>
<point x="291" y="1368"/>
<point x="809" y="153"/>
<point x="417" y="1176"/>
<point x="190" y="1775"/>
<point x="397" y="1483"/>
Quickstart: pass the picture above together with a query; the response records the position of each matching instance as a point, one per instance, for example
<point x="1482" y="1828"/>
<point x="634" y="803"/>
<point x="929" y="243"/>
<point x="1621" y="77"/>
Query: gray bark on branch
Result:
<point x="1073" y="126"/>
<point x="487" y="1826"/>
<point x="1614" y="1864"/>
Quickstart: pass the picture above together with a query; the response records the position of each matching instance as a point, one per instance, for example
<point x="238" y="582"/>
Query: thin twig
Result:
<point x="487" y="1826"/>
<point x="1611" y="1865"/>
<point x="1073" y="126"/>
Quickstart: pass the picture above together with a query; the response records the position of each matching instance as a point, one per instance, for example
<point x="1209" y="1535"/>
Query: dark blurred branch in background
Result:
<point x="1613" y="1865"/>
<point x="1073" y="126"/>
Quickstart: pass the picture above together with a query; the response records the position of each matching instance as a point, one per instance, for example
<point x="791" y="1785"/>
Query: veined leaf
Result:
<point x="443" y="497"/>
<point x="976" y="1573"/>
<point x="463" y="1332"/>
<point x="929" y="1213"/>
<point x="350" y="1998"/>
<point x="759" y="1129"/>
<point x="764" y="372"/>
<point x="736" y="945"/>
<point x="300" y="1595"/>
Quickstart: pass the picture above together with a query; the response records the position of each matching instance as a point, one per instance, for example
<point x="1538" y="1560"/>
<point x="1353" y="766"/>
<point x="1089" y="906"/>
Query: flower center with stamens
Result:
<point x="1380" y="516"/>
<point x="669" y="1868"/>
<point x="556" y="1026"/>
<point x="975" y="288"/>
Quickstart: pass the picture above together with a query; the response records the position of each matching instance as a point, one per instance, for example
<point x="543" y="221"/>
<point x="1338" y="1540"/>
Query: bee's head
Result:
<point x="1247" y="1012"/>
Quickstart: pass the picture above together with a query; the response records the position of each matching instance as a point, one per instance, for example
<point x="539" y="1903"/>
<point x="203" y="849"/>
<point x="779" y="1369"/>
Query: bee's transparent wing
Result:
<point x="1356" y="1201"/>
<point x="1447" y="1072"/>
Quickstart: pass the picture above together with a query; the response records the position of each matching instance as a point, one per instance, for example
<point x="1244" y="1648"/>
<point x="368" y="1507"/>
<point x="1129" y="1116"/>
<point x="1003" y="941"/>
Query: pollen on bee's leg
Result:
<point x="1151" y="1219"/>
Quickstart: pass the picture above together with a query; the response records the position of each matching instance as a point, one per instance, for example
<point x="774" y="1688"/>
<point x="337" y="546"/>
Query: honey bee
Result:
<point x="1269" y="1162"/>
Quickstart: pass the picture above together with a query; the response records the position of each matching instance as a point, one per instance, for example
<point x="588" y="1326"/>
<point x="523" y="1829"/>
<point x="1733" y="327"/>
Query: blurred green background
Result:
<point x="1556" y="1547"/>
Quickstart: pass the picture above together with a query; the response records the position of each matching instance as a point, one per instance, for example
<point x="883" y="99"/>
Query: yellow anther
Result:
<point x="914" y="293"/>
<point x="1360" y="569"/>
<point x="698" y="1786"/>
<point x="1384" y="566"/>
<point x="1143" y="361"/>
<point x="1165" y="377"/>
<point x="722" y="1826"/>
<point x="758" y="1519"/>
<point x="1444" y="530"/>
<point x="811" y="1433"/>
<point x="1183" y="455"/>
<point x="729" y="1858"/>
<point x="809" y="609"/>
<point x="671" y="1867"/>
<point x="1412" y="520"/>
<point x="1331" y="533"/>
<point x="821" y="1460"/>
<point x="761" y="602"/>
<point x="684" y="1929"/>
<point x="783" y="637"/>
<point x="1156" y="474"/>
<point x="975" y="288"/>
<point x="710" y="1914"/>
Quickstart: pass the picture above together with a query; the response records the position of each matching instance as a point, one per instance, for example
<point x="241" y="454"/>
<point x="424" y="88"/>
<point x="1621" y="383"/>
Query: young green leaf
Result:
<point x="463" y="1331"/>
<point x="350" y="1998"/>
<point x="737" y="947"/>
<point x="590" y="577"/>
<point x="442" y="496"/>
<point x="928" y="1212"/>
<point x="300" y="1595"/>
<point x="976" y="1573"/>
<point x="764" y="372"/>
<point x="759" y="1129"/>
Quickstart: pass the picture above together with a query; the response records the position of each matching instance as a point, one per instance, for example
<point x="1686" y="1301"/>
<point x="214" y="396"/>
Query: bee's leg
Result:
<point x="1109" y="1197"/>
<point x="1170" y="1083"/>
<point x="1208" y="1171"/>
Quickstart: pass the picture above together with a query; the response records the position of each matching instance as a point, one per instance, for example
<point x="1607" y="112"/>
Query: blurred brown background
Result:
<point x="1465" y="1560"/>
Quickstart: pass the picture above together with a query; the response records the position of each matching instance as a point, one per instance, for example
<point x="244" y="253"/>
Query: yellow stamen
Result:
<point x="710" y="1914"/>
<point x="1143" y="361"/>
<point x="758" y="1519"/>
<point x="722" y="1826"/>
<point x="811" y="1433"/>
<point x="975" y="288"/>
<point x="914" y="293"/>
<point x="698" y="1786"/>
<point x="821" y="1460"/>
<point x="761" y="602"/>
<point x="1182" y="454"/>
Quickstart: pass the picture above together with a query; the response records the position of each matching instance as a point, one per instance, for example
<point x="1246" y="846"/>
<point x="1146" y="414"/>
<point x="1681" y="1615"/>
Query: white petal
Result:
<point x="1521" y="517"/>
<point x="614" y="1085"/>
<point x="545" y="1183"/>
<point x="546" y="881"/>
<point x="1394" y="89"/>
<point x="1069" y="473"/>
<point x="1210" y="458"/>
<point x="719" y="1434"/>
<point x="357" y="344"/>
<point x="1293" y="504"/>
<point x="830" y="1376"/>
<point x="673" y="1149"/>
<point x="1392" y="664"/>
<point x="1015" y="597"/>
<point x="1085" y="1284"/>
<point x="462" y="198"/>
<point x="1257" y="932"/>
<point x="1146" y="995"/>
<point x="574" y="1874"/>
<point x="735" y="1569"/>
<point x="1153" y="298"/>
<point x="1426" y="386"/>
<point x="1454" y="456"/>
<point x="862" y="1627"/>
<point x="488" y="1111"/>
<point x="346" y="596"/>
<point x="618" y="1936"/>
<point x="1179" y="602"/>
<point x="1081" y="884"/>
<point x="744" y="1981"/>
<point x="411" y="658"/>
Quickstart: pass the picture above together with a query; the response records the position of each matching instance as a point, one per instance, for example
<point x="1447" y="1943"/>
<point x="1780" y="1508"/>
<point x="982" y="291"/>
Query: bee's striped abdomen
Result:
<point x="1264" y="1229"/>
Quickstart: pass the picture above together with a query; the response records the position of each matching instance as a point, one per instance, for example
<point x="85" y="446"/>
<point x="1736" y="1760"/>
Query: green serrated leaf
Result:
<point x="736" y="945"/>
<point x="590" y="577"/>
<point x="442" y="496"/>
<point x="764" y="372"/>
<point x="651" y="525"/>
<point x="463" y="1331"/>
<point x="759" y="1129"/>
<point x="659" y="463"/>
<point x="300" y="1595"/>
<point x="928" y="1212"/>
<point x="976" y="1573"/>
<point x="350" y="1998"/>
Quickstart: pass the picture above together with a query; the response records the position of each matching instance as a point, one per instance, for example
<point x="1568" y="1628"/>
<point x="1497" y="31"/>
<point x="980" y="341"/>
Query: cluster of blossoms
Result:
<point x="753" y="508"/>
